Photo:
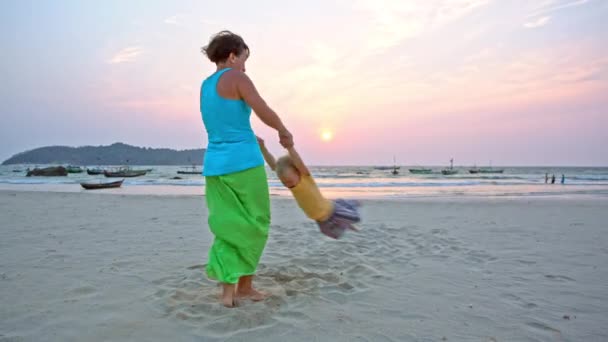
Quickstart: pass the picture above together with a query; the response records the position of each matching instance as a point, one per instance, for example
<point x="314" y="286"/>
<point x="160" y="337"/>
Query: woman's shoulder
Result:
<point x="236" y="76"/>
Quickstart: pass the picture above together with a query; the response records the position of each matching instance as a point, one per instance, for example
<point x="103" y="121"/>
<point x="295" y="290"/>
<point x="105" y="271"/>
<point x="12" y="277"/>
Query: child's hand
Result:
<point x="285" y="138"/>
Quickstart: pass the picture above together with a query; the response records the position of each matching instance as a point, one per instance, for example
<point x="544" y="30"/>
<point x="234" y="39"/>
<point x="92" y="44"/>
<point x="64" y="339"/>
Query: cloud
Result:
<point x="125" y="55"/>
<point x="394" y="21"/>
<point x="173" y="20"/>
<point x="550" y="6"/>
<point x="537" y="23"/>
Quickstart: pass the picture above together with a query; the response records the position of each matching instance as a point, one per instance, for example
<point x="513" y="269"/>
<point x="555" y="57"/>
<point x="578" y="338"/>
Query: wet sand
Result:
<point x="89" y="267"/>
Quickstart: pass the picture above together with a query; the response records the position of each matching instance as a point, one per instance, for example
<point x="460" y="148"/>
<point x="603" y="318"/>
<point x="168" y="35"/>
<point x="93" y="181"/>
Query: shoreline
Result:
<point x="286" y="196"/>
<point x="598" y="192"/>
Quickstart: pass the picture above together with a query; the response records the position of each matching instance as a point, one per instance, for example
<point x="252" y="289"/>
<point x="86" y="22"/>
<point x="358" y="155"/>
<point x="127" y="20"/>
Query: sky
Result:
<point x="356" y="82"/>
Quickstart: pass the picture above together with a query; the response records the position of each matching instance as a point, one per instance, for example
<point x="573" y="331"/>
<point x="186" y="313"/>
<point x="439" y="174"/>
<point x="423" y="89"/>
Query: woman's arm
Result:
<point x="267" y="155"/>
<point x="249" y="93"/>
<point x="298" y="162"/>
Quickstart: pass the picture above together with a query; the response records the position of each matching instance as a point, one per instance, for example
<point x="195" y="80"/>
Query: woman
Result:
<point x="236" y="187"/>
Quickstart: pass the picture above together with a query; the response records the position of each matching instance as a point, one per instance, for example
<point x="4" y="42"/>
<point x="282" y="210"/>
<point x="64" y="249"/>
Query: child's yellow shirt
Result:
<point x="310" y="199"/>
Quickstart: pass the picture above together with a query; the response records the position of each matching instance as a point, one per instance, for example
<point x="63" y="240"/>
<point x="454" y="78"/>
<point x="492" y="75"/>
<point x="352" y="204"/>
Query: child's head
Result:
<point x="287" y="172"/>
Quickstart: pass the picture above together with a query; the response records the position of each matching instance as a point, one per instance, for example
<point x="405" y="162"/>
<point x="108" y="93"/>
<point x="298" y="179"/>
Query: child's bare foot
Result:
<point x="252" y="294"/>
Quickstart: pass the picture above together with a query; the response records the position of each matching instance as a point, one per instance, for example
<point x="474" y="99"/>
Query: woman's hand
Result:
<point x="285" y="138"/>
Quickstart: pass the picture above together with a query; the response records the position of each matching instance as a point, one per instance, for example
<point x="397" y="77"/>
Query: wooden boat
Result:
<point x="94" y="172"/>
<point x="449" y="171"/>
<point x="74" y="169"/>
<point x="486" y="169"/>
<point x="491" y="170"/>
<point x="420" y="171"/>
<point x="124" y="173"/>
<point x="95" y="186"/>
<point x="191" y="171"/>
<point x="48" y="172"/>
<point x="384" y="168"/>
<point x="395" y="172"/>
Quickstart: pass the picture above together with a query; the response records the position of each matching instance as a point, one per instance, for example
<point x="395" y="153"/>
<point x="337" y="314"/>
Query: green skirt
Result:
<point x="239" y="217"/>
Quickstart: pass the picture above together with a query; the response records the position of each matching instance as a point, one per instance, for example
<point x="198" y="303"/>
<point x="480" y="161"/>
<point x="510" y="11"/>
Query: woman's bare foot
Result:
<point x="228" y="295"/>
<point x="230" y="302"/>
<point x="245" y="290"/>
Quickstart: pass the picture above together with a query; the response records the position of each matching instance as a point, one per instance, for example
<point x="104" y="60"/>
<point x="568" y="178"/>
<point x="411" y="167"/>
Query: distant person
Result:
<point x="563" y="179"/>
<point x="553" y="179"/>
<point x="546" y="177"/>
<point x="236" y="188"/>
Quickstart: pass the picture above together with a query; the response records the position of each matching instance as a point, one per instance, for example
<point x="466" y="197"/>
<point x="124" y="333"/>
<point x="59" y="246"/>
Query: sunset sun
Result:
<point x="327" y="135"/>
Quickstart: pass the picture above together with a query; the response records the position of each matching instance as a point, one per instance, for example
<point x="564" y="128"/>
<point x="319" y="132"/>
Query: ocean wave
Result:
<point x="399" y="184"/>
<point x="598" y="178"/>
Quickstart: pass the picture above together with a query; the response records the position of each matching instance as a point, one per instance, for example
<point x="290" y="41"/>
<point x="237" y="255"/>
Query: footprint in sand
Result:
<point x="79" y="293"/>
<point x="558" y="277"/>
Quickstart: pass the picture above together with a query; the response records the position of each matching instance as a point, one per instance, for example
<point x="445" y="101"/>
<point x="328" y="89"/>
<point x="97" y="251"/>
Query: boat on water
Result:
<point x="421" y="171"/>
<point x="124" y="173"/>
<point x="101" y="185"/>
<point x="449" y="171"/>
<point x="395" y="168"/>
<point x="385" y="168"/>
<point x="489" y="169"/>
<point x="95" y="171"/>
<point x="193" y="170"/>
<point x="74" y="169"/>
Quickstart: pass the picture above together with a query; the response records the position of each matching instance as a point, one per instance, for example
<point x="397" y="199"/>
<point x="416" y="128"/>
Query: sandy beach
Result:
<point x="99" y="267"/>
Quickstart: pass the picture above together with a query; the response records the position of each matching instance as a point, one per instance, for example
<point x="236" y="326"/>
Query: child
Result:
<point x="333" y="217"/>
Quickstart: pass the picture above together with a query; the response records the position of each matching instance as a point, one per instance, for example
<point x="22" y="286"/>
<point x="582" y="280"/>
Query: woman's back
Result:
<point x="232" y="145"/>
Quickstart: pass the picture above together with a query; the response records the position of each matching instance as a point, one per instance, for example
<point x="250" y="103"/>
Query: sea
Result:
<point x="347" y="181"/>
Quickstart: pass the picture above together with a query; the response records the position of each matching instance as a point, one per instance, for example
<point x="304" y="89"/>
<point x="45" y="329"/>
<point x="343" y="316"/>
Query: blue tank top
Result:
<point x="232" y="146"/>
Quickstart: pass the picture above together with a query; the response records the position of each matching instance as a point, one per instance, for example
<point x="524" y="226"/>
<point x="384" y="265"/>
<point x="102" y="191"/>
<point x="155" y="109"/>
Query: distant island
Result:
<point x="115" y="154"/>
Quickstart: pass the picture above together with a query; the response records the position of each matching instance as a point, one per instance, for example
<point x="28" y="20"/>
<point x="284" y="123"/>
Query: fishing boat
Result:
<point x="193" y="170"/>
<point x="94" y="172"/>
<point x="124" y="173"/>
<point x="449" y="171"/>
<point x="107" y="185"/>
<point x="395" y="169"/>
<point x="491" y="170"/>
<point x="486" y="170"/>
<point x="74" y="169"/>
<point x="420" y="171"/>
